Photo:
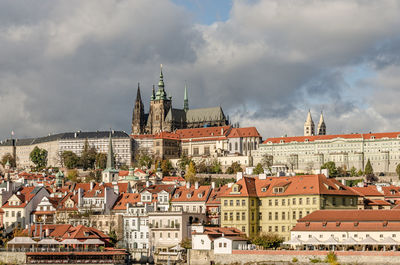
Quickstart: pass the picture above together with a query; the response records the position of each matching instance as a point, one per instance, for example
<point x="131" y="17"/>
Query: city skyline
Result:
<point x="76" y="66"/>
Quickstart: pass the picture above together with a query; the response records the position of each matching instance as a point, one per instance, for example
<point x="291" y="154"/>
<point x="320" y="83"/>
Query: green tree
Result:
<point x="143" y="159"/>
<point x="234" y="168"/>
<point x="353" y="172"/>
<point x="267" y="162"/>
<point x="94" y="175"/>
<point x="190" y="175"/>
<point x="166" y="167"/>
<point x="216" y="166"/>
<point x="101" y="160"/>
<point x="183" y="162"/>
<point x="258" y="169"/>
<point x="8" y="157"/>
<point x="368" y="168"/>
<point x="88" y="156"/>
<point x="360" y="173"/>
<point x="70" y="159"/>
<point x="39" y="157"/>
<point x="332" y="170"/>
<point x="202" y="167"/>
<point x="267" y="240"/>
<point x="73" y="175"/>
<point x="398" y="170"/>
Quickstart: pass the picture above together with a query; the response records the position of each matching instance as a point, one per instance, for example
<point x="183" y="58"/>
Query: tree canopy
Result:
<point x="39" y="157"/>
<point x="190" y="175"/>
<point x="258" y="169"/>
<point x="69" y="159"/>
<point x="234" y="168"/>
<point x="8" y="157"/>
<point x="268" y="240"/>
<point x="332" y="170"/>
<point x="368" y="168"/>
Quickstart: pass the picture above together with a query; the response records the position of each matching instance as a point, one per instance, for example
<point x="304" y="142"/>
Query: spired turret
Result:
<point x="138" y="118"/>
<point x="321" y="125"/>
<point x="185" y="100"/>
<point x="309" y="127"/>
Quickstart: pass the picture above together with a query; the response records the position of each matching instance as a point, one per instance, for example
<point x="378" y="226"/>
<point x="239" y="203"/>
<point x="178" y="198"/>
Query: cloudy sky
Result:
<point x="74" y="65"/>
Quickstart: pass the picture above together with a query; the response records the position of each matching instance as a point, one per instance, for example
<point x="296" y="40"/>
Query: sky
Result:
<point x="75" y="65"/>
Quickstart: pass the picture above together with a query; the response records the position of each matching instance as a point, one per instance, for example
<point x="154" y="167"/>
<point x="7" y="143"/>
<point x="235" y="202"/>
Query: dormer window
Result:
<point x="200" y="195"/>
<point x="177" y="195"/>
<point x="282" y="141"/>
<point x="189" y="195"/>
<point x="278" y="189"/>
<point x="306" y="140"/>
<point x="235" y="189"/>
<point x="373" y="137"/>
<point x="263" y="189"/>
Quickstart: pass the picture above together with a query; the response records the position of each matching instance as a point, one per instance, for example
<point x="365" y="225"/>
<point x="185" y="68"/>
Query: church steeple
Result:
<point x="309" y="127"/>
<point x="185" y="100"/>
<point x="138" y="118"/>
<point x="161" y="94"/>
<point x="321" y="125"/>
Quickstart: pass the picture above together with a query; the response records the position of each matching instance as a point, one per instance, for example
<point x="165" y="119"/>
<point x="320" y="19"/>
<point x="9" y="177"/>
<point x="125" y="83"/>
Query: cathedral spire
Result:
<point x="185" y="100"/>
<point x="153" y="94"/>
<point x="138" y="97"/>
<point x="110" y="154"/>
<point x="321" y="125"/>
<point x="309" y="127"/>
<point x="161" y="82"/>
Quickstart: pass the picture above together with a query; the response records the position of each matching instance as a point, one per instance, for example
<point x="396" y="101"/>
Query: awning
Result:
<point x="368" y="241"/>
<point x="312" y="241"/>
<point x="21" y="241"/>
<point x="48" y="241"/>
<point x="330" y="241"/>
<point x="388" y="241"/>
<point x="93" y="241"/>
<point x="349" y="241"/>
<point x="71" y="242"/>
<point x="293" y="241"/>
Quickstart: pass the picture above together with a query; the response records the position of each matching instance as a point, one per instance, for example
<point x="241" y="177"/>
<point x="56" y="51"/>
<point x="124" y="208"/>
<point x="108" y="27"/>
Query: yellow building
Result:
<point x="278" y="202"/>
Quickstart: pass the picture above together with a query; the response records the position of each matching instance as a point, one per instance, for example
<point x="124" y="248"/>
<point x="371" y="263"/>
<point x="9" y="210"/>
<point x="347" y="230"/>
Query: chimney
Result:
<point x="147" y="183"/>
<point x="239" y="176"/>
<point x="80" y="197"/>
<point x="222" y="131"/>
<point x="91" y="185"/>
<point x="47" y="231"/>
<point x="188" y="185"/>
<point x="213" y="185"/>
<point x="196" y="185"/>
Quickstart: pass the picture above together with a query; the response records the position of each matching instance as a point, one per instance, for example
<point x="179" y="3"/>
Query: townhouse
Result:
<point x="18" y="208"/>
<point x="274" y="204"/>
<point x="159" y="194"/>
<point x="213" y="204"/>
<point x="191" y="198"/>
<point x="371" y="197"/>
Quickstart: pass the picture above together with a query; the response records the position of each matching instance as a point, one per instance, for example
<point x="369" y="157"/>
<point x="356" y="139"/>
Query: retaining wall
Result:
<point x="9" y="257"/>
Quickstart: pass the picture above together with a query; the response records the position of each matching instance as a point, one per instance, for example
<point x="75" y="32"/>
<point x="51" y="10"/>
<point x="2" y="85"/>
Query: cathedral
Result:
<point x="163" y="117"/>
<point x="309" y="127"/>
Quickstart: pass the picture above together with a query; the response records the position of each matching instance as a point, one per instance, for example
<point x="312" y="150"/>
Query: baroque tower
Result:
<point x="138" y="118"/>
<point x="309" y="127"/>
<point x="321" y="125"/>
<point x="160" y="104"/>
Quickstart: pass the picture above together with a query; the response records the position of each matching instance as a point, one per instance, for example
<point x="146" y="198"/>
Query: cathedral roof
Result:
<point x="176" y="115"/>
<point x="205" y="114"/>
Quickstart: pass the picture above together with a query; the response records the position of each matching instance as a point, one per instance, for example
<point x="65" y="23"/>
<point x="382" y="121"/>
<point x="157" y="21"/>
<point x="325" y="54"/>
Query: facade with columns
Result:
<point x="163" y="117"/>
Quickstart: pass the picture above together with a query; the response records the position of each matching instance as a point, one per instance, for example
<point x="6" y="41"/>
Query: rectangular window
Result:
<point x="195" y="151"/>
<point x="333" y="201"/>
<point x="294" y="201"/>
<point x="231" y="216"/>
<point x="276" y="215"/>
<point x="260" y="216"/>
<point x="243" y="202"/>
<point x="270" y="202"/>
<point x="300" y="214"/>
<point x="308" y="201"/>
<point x="225" y="216"/>
<point x="314" y="200"/>
<point x="225" y="202"/>
<point x="276" y="202"/>
<point x="237" y="216"/>
<point x="300" y="201"/>
<point x="283" y="202"/>
<point x="230" y="202"/>
<point x="283" y="215"/>
<point x="270" y="216"/>
<point x="269" y="228"/>
<point x="207" y="150"/>
<point x="252" y="202"/>
<point x="243" y="216"/>
<point x="237" y="202"/>
<point x="294" y="215"/>
<point x="276" y="228"/>
<point x="243" y="229"/>
<point x="283" y="228"/>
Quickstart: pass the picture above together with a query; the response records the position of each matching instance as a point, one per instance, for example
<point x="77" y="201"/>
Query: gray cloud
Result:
<point x="68" y="65"/>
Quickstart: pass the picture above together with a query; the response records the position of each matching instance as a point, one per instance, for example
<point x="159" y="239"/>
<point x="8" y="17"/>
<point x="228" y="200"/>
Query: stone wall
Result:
<point x="248" y="257"/>
<point x="9" y="257"/>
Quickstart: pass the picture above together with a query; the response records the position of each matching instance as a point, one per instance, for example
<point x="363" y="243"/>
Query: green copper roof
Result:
<point x="185" y="100"/>
<point x="8" y="163"/>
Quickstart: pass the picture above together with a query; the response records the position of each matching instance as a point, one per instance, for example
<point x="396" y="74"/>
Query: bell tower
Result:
<point x="309" y="127"/>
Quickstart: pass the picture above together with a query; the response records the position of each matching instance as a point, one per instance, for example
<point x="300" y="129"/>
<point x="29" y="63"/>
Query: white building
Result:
<point x="307" y="153"/>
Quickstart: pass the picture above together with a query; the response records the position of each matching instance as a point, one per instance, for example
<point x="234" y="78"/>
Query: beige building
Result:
<point x="73" y="141"/>
<point x="306" y="153"/>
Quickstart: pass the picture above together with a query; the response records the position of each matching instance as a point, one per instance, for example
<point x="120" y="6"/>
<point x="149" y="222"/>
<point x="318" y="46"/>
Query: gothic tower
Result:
<point x="138" y="118"/>
<point x="309" y="128"/>
<point x="321" y="125"/>
<point x="160" y="104"/>
<point x="185" y="100"/>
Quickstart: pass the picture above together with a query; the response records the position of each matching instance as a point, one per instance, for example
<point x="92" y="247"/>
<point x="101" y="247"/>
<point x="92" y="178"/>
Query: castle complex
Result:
<point x="163" y="117"/>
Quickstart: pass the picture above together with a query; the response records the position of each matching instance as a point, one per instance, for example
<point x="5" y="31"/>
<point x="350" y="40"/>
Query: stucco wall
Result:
<point x="198" y="257"/>
<point x="12" y="257"/>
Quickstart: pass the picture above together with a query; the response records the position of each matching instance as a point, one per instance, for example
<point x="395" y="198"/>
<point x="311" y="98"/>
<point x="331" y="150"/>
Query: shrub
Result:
<point x="331" y="258"/>
<point x="295" y="259"/>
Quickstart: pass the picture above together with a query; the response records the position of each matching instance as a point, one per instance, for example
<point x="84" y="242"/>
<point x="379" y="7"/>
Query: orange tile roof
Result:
<point x="167" y="135"/>
<point x="352" y="216"/>
<point x="126" y="198"/>
<point x="391" y="191"/>
<point x="215" y="196"/>
<point x="367" y="191"/>
<point x="142" y="136"/>
<point x="244" y="132"/>
<point x="366" y="136"/>
<point x="204" y="132"/>
<point x="378" y="203"/>
<point x="247" y="188"/>
<point x="26" y="195"/>
<point x="183" y="194"/>
<point x="173" y="178"/>
<point x="347" y="226"/>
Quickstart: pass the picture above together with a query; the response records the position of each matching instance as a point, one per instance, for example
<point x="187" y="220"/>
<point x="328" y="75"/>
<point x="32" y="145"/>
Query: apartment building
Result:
<point x="274" y="204"/>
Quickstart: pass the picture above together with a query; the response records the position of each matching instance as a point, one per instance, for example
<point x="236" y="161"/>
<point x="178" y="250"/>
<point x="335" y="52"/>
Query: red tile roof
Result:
<point x="25" y="194"/>
<point x="204" y="132"/>
<point x="183" y="194"/>
<point x="142" y="136"/>
<point x="369" y="191"/>
<point x="126" y="198"/>
<point x="330" y="137"/>
<point x="352" y="216"/>
<point x="215" y="196"/>
<point x="244" y="132"/>
<point x="167" y="135"/>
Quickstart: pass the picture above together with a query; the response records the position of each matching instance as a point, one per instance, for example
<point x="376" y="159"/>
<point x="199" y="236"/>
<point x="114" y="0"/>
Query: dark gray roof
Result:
<point x="66" y="136"/>
<point x="205" y="114"/>
<point x="176" y="115"/>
